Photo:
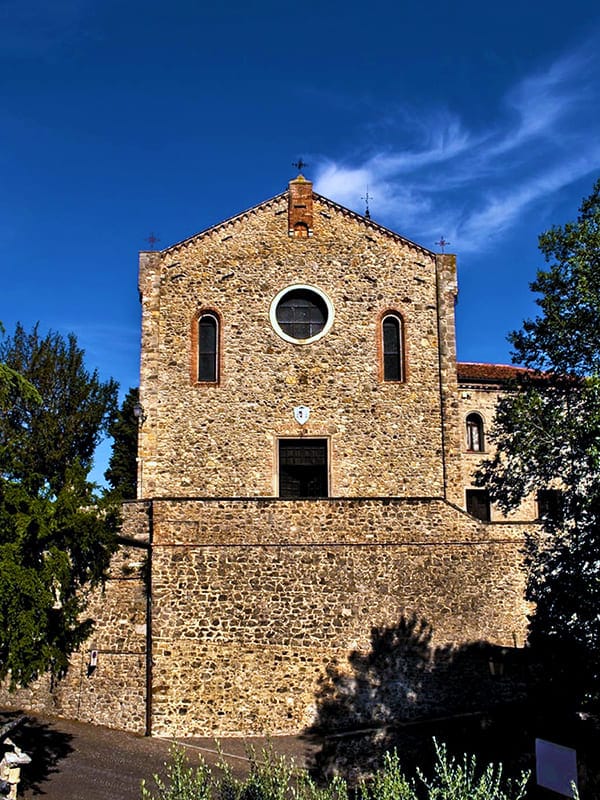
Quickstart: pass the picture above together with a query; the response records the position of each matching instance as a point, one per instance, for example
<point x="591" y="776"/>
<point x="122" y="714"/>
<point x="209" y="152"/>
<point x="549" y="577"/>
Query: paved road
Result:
<point x="75" y="761"/>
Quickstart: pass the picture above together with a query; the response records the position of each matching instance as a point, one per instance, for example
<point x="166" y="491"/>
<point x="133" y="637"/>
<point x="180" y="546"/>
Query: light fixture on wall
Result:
<point x="497" y="662"/>
<point x="138" y="413"/>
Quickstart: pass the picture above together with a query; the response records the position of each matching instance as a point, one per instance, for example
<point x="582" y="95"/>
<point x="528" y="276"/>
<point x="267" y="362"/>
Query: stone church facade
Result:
<point x="307" y="447"/>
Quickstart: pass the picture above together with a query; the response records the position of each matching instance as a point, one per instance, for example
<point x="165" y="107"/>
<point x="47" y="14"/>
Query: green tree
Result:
<point x="547" y="434"/>
<point x="56" y="536"/>
<point x="46" y="439"/>
<point x="14" y="387"/>
<point x="122" y="466"/>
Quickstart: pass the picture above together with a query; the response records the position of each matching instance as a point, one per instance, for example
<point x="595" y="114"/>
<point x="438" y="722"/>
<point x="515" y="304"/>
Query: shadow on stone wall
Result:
<point x="45" y="745"/>
<point x="403" y="691"/>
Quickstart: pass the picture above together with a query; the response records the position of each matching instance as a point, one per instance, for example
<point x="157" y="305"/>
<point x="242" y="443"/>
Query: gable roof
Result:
<point x="370" y="224"/>
<point x="265" y="204"/>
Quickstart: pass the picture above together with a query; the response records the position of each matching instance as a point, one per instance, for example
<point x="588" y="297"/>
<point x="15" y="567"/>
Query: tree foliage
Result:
<point x="564" y="338"/>
<point x="547" y="434"/>
<point x="45" y="439"/>
<point x="56" y="536"/>
<point x="122" y="467"/>
<point x="14" y="387"/>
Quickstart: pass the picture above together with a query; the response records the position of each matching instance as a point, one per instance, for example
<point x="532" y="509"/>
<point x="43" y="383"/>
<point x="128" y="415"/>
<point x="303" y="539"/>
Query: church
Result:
<point x="307" y="443"/>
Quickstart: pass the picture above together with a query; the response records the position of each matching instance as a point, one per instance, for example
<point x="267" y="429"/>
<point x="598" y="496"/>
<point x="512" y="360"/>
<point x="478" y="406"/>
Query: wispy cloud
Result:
<point x="544" y="137"/>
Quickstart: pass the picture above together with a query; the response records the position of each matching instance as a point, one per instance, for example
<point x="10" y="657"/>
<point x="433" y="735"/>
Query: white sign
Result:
<point x="301" y="414"/>
<point x="556" y="767"/>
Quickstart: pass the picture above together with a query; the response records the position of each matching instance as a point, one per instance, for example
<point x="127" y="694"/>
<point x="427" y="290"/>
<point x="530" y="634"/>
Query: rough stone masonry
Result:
<point x="264" y="551"/>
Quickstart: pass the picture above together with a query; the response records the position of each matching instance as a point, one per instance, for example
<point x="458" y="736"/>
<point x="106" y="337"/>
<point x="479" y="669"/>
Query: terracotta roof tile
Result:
<point x="489" y="373"/>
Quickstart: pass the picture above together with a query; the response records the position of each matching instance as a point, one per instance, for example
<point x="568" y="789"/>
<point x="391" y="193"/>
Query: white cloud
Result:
<point x="445" y="139"/>
<point x="501" y="211"/>
<point x="474" y="185"/>
<point x="344" y="184"/>
<point x="548" y="101"/>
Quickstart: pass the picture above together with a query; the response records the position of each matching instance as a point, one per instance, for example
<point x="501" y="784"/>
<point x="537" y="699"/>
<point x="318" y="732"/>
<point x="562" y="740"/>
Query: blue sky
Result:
<point x="476" y="122"/>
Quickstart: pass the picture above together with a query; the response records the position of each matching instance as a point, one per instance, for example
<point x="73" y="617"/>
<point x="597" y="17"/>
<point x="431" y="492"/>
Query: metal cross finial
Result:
<point x="300" y="164"/>
<point x="366" y="198"/>
<point x="153" y="240"/>
<point x="442" y="243"/>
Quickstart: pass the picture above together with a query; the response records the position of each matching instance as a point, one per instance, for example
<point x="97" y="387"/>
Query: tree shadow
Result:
<point x="46" y="747"/>
<point x="403" y="691"/>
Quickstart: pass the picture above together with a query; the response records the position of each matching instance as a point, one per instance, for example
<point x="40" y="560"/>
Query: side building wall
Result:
<point x="482" y="400"/>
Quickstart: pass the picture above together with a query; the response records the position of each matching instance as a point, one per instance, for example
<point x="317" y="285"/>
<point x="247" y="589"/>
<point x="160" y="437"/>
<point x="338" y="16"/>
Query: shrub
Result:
<point x="274" y="777"/>
<point x="452" y="780"/>
<point x="183" y="782"/>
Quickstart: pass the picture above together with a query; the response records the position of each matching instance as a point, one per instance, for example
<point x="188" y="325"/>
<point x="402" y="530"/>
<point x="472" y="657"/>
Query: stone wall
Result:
<point x="262" y="608"/>
<point x="256" y="601"/>
<point x="220" y="439"/>
<point x="266" y="613"/>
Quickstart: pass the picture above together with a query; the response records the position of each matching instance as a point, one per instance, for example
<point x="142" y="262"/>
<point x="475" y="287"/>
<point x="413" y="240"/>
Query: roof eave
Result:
<point x="367" y="221"/>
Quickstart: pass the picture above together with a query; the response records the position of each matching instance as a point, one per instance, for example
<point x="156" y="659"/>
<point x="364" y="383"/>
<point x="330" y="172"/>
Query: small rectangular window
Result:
<point x="478" y="504"/>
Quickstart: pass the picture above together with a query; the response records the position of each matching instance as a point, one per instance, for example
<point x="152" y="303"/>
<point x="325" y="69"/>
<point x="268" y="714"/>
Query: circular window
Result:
<point x="301" y="314"/>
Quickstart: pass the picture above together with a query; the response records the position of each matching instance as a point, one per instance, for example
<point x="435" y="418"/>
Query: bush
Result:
<point x="452" y="780"/>
<point x="183" y="782"/>
<point x="273" y="777"/>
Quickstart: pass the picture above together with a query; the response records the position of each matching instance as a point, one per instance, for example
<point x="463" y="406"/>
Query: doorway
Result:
<point x="303" y="468"/>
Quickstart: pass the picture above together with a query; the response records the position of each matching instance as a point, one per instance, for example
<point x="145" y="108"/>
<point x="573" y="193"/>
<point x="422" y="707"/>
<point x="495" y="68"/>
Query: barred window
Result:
<point x="549" y="503"/>
<point x="303" y="468"/>
<point x="208" y="349"/>
<point x="392" y="348"/>
<point x="301" y="314"/>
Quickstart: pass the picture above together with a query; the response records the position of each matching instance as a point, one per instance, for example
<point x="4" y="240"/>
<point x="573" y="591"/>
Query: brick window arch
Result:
<point x="392" y="347"/>
<point x="206" y="348"/>
<point x="475" y="440"/>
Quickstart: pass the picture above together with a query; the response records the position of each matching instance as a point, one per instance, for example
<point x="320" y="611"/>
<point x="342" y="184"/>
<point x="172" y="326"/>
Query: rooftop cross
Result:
<point x="442" y="243"/>
<point x="366" y="198"/>
<point x="153" y="240"/>
<point x="300" y="164"/>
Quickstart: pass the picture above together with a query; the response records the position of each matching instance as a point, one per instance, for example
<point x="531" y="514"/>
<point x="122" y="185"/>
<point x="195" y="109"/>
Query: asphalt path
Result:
<point x="75" y="761"/>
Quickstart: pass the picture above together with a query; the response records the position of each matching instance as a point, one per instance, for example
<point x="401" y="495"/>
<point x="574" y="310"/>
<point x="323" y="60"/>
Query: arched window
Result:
<point x="475" y="433"/>
<point x="391" y="338"/>
<point x="301" y="230"/>
<point x="208" y="348"/>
